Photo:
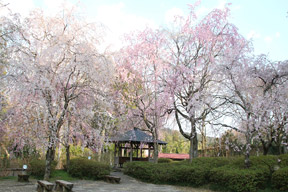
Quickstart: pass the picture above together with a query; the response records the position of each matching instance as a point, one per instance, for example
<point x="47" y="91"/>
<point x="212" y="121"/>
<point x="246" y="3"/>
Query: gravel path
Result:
<point x="127" y="184"/>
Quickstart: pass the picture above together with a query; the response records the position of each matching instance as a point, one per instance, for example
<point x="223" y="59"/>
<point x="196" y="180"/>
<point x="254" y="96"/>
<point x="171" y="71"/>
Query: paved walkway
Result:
<point x="127" y="184"/>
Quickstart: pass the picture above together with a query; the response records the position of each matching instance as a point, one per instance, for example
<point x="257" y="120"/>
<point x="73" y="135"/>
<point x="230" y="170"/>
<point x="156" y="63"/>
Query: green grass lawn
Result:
<point x="56" y="175"/>
<point x="61" y="175"/>
<point x="8" y="178"/>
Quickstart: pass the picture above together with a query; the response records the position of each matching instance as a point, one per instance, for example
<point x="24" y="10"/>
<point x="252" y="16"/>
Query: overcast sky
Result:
<point x="263" y="21"/>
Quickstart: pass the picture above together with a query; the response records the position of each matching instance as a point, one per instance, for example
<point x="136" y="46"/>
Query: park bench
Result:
<point x="44" y="186"/>
<point x="62" y="185"/>
<point x="23" y="177"/>
<point x="112" y="179"/>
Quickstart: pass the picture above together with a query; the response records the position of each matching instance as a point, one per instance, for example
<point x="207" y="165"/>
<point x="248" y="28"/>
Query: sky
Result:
<point x="265" y="22"/>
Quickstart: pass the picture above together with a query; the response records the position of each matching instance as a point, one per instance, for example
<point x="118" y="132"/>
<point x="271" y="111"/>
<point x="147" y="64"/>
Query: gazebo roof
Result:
<point x="136" y="136"/>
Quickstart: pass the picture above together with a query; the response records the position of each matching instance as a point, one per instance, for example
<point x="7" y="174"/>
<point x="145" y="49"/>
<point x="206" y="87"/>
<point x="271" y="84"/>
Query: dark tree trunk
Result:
<point x="67" y="157"/>
<point x="48" y="164"/>
<point x="247" y="152"/>
<point x="195" y="146"/>
<point x="155" y="146"/>
<point x="191" y="150"/>
<point x="266" y="147"/>
<point x="156" y="152"/>
<point x="265" y="150"/>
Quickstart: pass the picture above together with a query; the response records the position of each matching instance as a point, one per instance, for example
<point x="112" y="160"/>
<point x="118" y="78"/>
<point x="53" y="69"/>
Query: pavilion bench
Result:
<point x="112" y="179"/>
<point x="23" y="177"/>
<point x="44" y="186"/>
<point x="64" y="186"/>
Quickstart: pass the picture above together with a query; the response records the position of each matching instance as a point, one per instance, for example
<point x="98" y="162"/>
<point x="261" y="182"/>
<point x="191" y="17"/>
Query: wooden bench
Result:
<point x="44" y="186"/>
<point x="112" y="179"/>
<point x="62" y="185"/>
<point x="23" y="177"/>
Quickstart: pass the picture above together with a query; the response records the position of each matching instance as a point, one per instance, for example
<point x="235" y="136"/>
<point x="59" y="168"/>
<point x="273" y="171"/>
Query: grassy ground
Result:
<point x="8" y="178"/>
<point x="61" y="175"/>
<point x="56" y="175"/>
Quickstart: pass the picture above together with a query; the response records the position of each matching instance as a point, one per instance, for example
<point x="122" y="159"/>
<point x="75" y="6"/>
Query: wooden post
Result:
<point x="148" y="152"/>
<point x="119" y="150"/>
<point x="137" y="150"/>
<point x="115" y="150"/>
<point x="131" y="152"/>
<point x="116" y="162"/>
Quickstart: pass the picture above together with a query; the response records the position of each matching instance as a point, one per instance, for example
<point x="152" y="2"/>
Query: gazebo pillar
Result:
<point x="131" y="152"/>
<point x="148" y="152"/>
<point x="116" y="159"/>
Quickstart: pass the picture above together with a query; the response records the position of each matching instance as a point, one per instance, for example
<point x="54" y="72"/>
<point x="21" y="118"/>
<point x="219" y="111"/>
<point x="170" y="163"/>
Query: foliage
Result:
<point x="234" y="179"/>
<point x="225" y="174"/>
<point x="78" y="151"/>
<point x="176" y="142"/>
<point x="164" y="160"/>
<point x="176" y="173"/>
<point x="88" y="169"/>
<point x="8" y="178"/>
<point x="53" y="96"/>
<point x="37" y="168"/>
<point x="283" y="160"/>
<point x="61" y="175"/>
<point x="280" y="179"/>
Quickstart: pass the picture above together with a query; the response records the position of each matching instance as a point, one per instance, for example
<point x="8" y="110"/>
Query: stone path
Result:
<point x="127" y="184"/>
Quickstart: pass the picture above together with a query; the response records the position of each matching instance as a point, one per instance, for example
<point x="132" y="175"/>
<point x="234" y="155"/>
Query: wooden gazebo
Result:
<point x="133" y="145"/>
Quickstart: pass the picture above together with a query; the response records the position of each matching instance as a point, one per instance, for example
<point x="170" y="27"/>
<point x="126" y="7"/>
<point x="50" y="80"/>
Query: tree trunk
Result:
<point x="49" y="158"/>
<point x="265" y="148"/>
<point x="67" y="157"/>
<point x="195" y="140"/>
<point x="195" y="146"/>
<point x="191" y="150"/>
<point x="203" y="134"/>
<point x="6" y="156"/>
<point x="247" y="152"/>
<point x="155" y="146"/>
<point x="247" y="160"/>
<point x="155" y="152"/>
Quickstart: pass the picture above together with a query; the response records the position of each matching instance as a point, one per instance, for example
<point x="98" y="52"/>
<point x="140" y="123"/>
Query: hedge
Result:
<point x="283" y="160"/>
<point x="164" y="160"/>
<point x="280" y="179"/>
<point x="226" y="174"/>
<point x="240" y="180"/>
<point x="194" y="174"/>
<point x="88" y="169"/>
<point x="37" y="168"/>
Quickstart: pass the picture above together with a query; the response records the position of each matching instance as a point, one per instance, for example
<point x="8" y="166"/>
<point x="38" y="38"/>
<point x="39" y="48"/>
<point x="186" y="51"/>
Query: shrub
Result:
<point x="176" y="173"/>
<point x="88" y="169"/>
<point x="269" y="161"/>
<point x="164" y="160"/>
<point x="235" y="177"/>
<point x="227" y="174"/>
<point x="239" y="180"/>
<point x="211" y="161"/>
<point x="139" y="170"/>
<point x="283" y="160"/>
<point x="37" y="167"/>
<point x="280" y="179"/>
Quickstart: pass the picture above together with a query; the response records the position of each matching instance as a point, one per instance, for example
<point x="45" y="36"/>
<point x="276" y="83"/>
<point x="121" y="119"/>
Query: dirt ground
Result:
<point x="127" y="184"/>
